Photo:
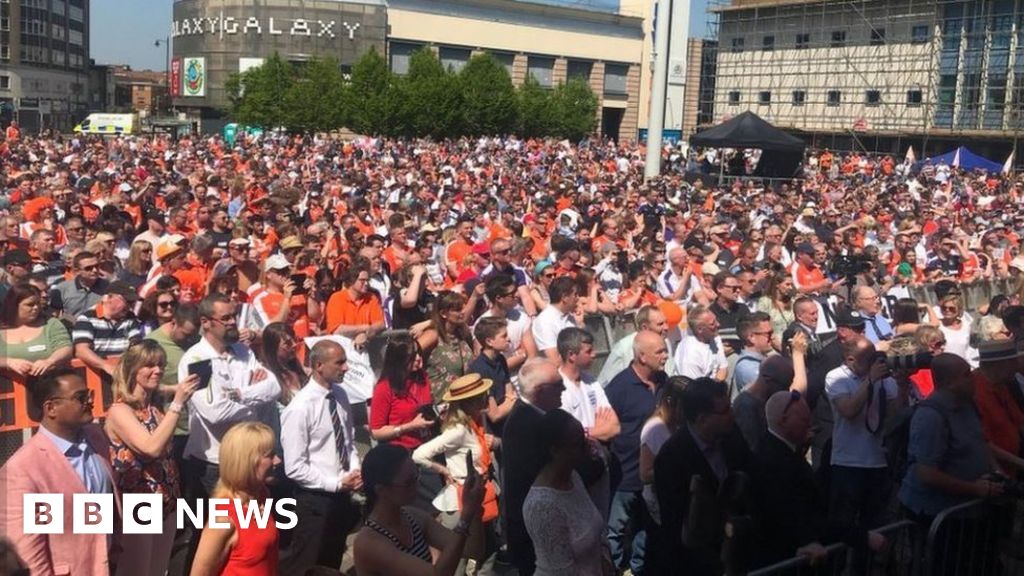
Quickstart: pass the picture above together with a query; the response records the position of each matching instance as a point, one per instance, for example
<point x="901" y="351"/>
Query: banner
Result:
<point x="175" y="78"/>
<point x="360" y="377"/>
<point x="194" y="72"/>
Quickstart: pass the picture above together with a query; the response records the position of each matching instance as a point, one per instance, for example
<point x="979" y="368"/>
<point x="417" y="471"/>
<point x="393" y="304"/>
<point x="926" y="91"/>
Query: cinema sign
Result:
<point x="252" y="26"/>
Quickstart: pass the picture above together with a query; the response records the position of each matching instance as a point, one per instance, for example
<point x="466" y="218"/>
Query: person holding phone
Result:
<point x="140" y="450"/>
<point x="285" y="299"/>
<point x="396" y="538"/>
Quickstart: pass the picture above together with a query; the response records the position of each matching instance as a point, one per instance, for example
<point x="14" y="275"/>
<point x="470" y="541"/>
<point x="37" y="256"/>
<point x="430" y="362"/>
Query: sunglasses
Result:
<point x="170" y="304"/>
<point x="83" y="397"/>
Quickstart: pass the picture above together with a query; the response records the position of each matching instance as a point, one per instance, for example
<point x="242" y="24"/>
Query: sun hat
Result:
<point x="467" y="386"/>
<point x="998" y="351"/>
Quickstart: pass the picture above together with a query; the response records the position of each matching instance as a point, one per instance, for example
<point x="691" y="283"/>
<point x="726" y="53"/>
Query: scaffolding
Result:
<point x="877" y="75"/>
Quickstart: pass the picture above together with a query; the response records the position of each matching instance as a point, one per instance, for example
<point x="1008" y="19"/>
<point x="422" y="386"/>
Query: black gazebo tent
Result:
<point x="781" y="155"/>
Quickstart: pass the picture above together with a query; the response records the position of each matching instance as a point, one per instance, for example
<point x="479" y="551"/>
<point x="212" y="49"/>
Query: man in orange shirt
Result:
<point x="355" y="311"/>
<point x="456" y="252"/>
<point x="808" y="278"/>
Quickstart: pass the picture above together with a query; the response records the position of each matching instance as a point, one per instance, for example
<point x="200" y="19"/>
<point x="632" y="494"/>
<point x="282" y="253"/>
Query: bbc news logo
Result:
<point x="144" y="513"/>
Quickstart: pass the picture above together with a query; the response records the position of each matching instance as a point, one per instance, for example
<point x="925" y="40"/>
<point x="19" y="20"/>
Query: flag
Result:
<point x="1008" y="165"/>
<point x="956" y="159"/>
<point x="860" y="125"/>
<point x="910" y="158"/>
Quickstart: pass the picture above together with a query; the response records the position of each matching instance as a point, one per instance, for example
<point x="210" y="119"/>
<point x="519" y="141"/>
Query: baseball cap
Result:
<point x="239" y="242"/>
<point x="276" y="262"/>
<point x="850" y="319"/>
<point x="124" y="290"/>
<point x="805" y="248"/>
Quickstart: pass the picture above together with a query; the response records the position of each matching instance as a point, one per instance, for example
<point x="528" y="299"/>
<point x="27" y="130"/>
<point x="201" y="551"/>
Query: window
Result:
<point x="58" y="7"/>
<point x="76" y="13"/>
<point x="58" y="57"/>
<point x="737" y="44"/>
<point x="5" y="82"/>
<point x="542" y="69"/>
<point x="803" y="41"/>
<point x="506" y="60"/>
<point x="872" y="97"/>
<point x="919" y="34"/>
<point x="768" y="43"/>
<point x="57" y="32"/>
<point x="877" y="36"/>
<point x="75" y="37"/>
<point x="734" y="97"/>
<point x="5" y="24"/>
<point x="799" y="96"/>
<point x="453" y="59"/>
<point x="579" y="69"/>
<point x="838" y="38"/>
<point x="834" y="97"/>
<point x="764" y="97"/>
<point x="914" y="98"/>
<point x="399" y="57"/>
<point x="5" y="52"/>
<point x="615" y="79"/>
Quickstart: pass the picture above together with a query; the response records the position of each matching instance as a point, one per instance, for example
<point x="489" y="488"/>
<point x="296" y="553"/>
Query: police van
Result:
<point x="111" y="124"/>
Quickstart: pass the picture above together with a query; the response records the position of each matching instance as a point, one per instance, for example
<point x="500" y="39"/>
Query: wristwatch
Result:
<point x="462" y="527"/>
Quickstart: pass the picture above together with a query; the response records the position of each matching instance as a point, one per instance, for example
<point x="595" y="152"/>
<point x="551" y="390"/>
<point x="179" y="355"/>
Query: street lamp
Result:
<point x="167" y="65"/>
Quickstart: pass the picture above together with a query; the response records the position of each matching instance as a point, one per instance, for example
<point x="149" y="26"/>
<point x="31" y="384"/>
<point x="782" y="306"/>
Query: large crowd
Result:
<point x="230" y="297"/>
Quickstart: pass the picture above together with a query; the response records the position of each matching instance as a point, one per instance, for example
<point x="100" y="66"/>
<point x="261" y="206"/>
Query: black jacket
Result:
<point x="522" y="459"/>
<point x="678" y="461"/>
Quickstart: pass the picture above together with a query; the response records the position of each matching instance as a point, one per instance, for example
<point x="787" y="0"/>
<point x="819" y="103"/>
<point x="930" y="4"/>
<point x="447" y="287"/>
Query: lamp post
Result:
<point x="167" y="65"/>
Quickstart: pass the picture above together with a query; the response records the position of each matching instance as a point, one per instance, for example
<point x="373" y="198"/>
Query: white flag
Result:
<point x="910" y="158"/>
<point x="956" y="158"/>
<point x="1008" y="165"/>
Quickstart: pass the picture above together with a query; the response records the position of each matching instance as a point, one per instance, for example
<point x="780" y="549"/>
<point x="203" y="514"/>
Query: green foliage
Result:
<point x="429" y="101"/>
<point x="489" y="99"/>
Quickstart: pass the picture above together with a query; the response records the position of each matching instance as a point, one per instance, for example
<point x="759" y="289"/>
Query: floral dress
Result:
<point x="447" y="361"/>
<point x="141" y="475"/>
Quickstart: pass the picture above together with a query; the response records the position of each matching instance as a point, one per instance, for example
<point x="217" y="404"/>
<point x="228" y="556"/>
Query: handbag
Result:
<point x="489" y="509"/>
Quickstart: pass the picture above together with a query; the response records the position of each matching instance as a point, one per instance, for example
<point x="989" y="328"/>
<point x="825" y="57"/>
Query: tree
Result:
<point x="257" y="95"/>
<point x="489" y="100"/>
<point x="573" y="109"/>
<point x="535" y="109"/>
<point x="431" y="101"/>
<point x="369" y="90"/>
<point x="316" y="100"/>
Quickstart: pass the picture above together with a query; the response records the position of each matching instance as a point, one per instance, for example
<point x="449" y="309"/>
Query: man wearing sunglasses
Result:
<point x="69" y="455"/>
<point x="82" y="291"/>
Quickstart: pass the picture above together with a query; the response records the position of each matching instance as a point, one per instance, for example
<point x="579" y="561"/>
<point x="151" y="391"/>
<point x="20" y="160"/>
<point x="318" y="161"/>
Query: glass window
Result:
<point x="914" y="98"/>
<point x="5" y="82"/>
<point x="872" y="97"/>
<point x="877" y="36"/>
<point x="615" y="78"/>
<point x="507" y="60"/>
<point x="75" y="13"/>
<point x="799" y="96"/>
<point x="734" y="97"/>
<point x="75" y="37"/>
<point x="768" y="43"/>
<point x="764" y="97"/>
<point x="803" y="41"/>
<point x="579" y="69"/>
<point x="838" y="38"/>
<point x="919" y="34"/>
<point x="834" y="97"/>
<point x="737" y="44"/>
<point x="58" y="7"/>
<point x="542" y="68"/>
<point x="453" y="59"/>
<point x="399" y="56"/>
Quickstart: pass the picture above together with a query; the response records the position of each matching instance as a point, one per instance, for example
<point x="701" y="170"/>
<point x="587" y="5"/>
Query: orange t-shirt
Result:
<point x="269" y="303"/>
<point x="342" y="310"/>
<point x="803" y="276"/>
<point x="457" y="252"/>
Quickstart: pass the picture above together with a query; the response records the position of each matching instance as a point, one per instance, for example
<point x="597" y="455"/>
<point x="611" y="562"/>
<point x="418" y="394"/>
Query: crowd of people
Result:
<point x="225" y="294"/>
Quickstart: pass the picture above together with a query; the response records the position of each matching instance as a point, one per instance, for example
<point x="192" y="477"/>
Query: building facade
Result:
<point x="218" y="38"/>
<point x="879" y="74"/>
<point x="44" y="62"/>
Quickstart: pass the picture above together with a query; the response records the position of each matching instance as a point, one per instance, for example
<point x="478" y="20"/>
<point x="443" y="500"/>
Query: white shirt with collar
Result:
<point x="695" y="359"/>
<point x="212" y="412"/>
<point x="311" y="456"/>
<point x="548" y="324"/>
<point x="583" y="398"/>
<point x="668" y="282"/>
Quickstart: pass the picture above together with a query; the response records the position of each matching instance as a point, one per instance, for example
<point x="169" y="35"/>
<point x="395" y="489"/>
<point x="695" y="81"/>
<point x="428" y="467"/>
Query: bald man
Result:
<point x="947" y="452"/>
<point x="791" y="506"/>
<point x="632" y="395"/>
<point x="541" y="386"/>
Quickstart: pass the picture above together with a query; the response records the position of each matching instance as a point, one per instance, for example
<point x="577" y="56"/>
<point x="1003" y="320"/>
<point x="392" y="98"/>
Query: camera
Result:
<point x="848" y="266"/>
<point x="910" y="362"/>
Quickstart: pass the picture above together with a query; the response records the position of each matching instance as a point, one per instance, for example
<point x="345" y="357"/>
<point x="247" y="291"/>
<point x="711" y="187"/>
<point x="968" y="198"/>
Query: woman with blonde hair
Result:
<point x="140" y="450"/>
<point x="136" y="268"/>
<point x="955" y="329"/>
<point x="462" y="435"/>
<point x="247" y="463"/>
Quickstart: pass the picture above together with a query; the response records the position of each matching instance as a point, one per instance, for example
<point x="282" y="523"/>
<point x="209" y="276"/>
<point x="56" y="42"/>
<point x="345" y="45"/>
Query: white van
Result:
<point x="108" y="124"/>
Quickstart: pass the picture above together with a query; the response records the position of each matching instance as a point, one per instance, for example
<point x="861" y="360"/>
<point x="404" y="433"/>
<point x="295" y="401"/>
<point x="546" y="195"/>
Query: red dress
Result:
<point x="255" y="552"/>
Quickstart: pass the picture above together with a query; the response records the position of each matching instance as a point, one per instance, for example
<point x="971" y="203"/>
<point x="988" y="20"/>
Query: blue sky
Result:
<point x="123" y="32"/>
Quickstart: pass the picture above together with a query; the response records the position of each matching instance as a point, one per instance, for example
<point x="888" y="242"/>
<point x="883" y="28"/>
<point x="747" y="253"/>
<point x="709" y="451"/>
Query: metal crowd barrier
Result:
<point x="835" y="563"/>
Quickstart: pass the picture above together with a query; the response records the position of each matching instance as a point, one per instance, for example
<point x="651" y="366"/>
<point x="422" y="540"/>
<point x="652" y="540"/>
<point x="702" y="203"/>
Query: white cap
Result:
<point x="276" y="262"/>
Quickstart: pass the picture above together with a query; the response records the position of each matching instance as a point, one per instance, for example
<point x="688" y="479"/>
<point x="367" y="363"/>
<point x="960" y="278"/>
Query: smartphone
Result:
<point x="203" y="369"/>
<point x="299" y="280"/>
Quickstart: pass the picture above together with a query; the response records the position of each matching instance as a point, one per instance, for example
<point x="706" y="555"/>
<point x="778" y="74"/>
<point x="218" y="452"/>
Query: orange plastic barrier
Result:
<point x="14" y="397"/>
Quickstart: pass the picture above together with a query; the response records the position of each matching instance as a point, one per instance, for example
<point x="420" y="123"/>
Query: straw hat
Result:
<point x="467" y="386"/>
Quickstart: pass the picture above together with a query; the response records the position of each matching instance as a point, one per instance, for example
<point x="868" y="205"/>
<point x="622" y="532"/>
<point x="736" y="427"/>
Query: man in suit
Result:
<point x="68" y="455"/>
<point x="708" y="446"/>
<point x="791" y="507"/>
<point x="522" y="458"/>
